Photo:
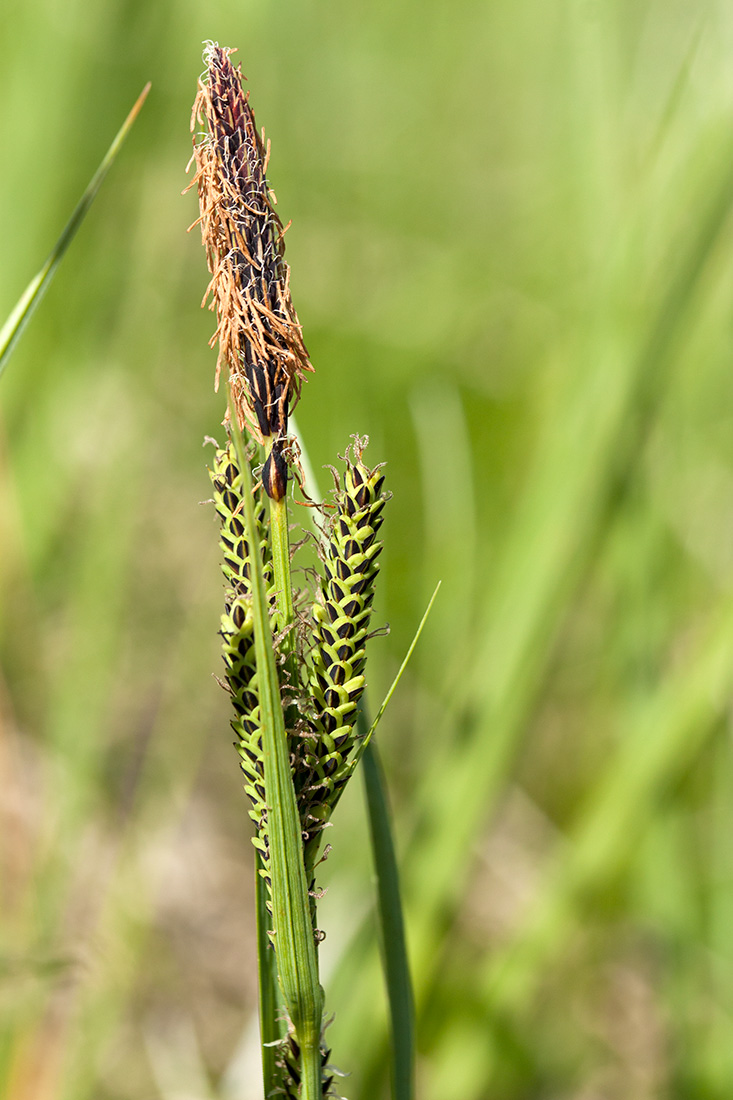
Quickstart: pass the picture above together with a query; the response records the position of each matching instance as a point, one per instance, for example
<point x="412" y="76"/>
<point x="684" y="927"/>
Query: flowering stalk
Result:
<point x="295" y="682"/>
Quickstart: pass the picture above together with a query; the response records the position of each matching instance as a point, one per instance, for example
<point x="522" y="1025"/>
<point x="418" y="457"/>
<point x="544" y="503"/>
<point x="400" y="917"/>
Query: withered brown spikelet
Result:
<point x="260" y="339"/>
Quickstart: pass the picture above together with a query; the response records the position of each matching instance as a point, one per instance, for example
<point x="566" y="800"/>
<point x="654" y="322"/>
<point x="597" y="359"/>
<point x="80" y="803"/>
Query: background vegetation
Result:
<point x="511" y="254"/>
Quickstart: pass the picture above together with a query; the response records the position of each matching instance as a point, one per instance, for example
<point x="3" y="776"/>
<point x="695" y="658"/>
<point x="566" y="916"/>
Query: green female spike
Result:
<point x="341" y="616"/>
<point x="237" y="632"/>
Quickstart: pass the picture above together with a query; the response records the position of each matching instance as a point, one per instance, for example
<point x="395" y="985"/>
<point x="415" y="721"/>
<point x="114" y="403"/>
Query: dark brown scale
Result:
<point x="249" y="699"/>
<point x="332" y="663"/>
<point x="357" y="520"/>
<point x="237" y="527"/>
<point x="329" y="722"/>
<point x="358" y="586"/>
<point x="249" y="726"/>
<point x="238" y="616"/>
<point x="337" y="591"/>
<point x="219" y="485"/>
<point x="279" y="409"/>
<point x="231" y="473"/>
<point x="339" y="674"/>
<point x="230" y="500"/>
<point x="361" y="623"/>
<point x="332" y="611"/>
<point x="344" y="529"/>
<point x="346" y="630"/>
<point x="342" y="570"/>
<point x="351" y="547"/>
<point x="328" y="635"/>
<point x="241" y="711"/>
<point x="260" y="790"/>
<point x="362" y="496"/>
<point x="275" y="473"/>
<point x="378" y="485"/>
<point x="351" y="608"/>
<point x="351" y="505"/>
<point x="259" y="388"/>
<point x="330" y="766"/>
<point x="344" y="652"/>
<point x="332" y="698"/>
<point x="244" y="647"/>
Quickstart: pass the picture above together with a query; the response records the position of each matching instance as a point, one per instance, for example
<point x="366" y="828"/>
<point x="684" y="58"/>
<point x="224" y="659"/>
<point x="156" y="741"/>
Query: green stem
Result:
<point x="284" y="612"/>
<point x="310" y="1067"/>
<point x="270" y="1005"/>
<point x="280" y="537"/>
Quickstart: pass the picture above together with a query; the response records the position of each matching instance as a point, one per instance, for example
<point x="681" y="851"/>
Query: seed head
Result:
<point x="350" y="552"/>
<point x="260" y="338"/>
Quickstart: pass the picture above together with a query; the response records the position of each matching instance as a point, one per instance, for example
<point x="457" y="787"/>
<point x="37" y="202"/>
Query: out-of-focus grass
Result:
<point x="510" y="253"/>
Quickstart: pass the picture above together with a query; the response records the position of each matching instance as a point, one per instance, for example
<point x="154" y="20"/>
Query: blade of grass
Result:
<point x="293" y="933"/>
<point x="391" y="926"/>
<point x="33" y="293"/>
<point x="270" y="1030"/>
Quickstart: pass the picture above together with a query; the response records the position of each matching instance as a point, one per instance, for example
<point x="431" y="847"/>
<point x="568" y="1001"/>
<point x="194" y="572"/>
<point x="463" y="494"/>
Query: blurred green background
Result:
<point x="511" y="255"/>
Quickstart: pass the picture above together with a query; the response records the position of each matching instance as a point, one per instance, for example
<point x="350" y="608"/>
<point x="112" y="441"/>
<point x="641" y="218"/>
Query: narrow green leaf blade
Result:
<point x="294" y="940"/>
<point x="37" y="287"/>
<point x="391" y="926"/>
<point x="270" y="1012"/>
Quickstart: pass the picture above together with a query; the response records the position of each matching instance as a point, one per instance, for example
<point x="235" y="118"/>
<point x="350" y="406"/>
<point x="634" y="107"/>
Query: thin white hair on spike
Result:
<point x="209" y="48"/>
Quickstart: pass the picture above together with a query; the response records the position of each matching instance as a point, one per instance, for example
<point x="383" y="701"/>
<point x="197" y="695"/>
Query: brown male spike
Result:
<point x="260" y="338"/>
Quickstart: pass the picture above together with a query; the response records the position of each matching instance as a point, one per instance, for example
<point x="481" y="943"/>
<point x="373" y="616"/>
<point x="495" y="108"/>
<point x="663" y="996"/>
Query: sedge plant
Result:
<point x="294" y="660"/>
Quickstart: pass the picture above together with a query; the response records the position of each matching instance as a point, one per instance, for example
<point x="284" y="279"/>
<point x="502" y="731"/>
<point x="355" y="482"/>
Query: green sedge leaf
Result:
<point x="38" y="286"/>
